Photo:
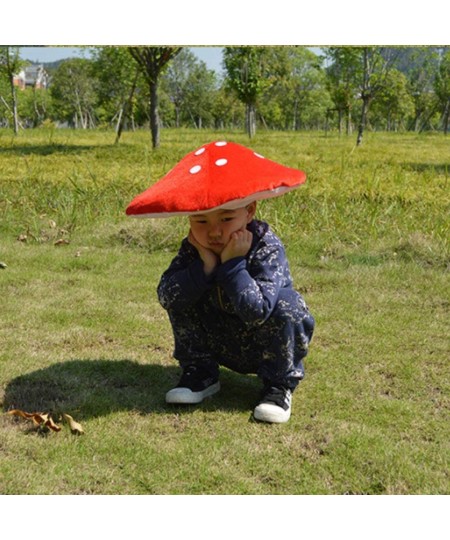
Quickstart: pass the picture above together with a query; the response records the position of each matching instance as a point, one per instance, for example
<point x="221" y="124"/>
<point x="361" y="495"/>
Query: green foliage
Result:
<point x="115" y="74"/>
<point x="152" y="62"/>
<point x="421" y="73"/>
<point x="394" y="105"/>
<point x="35" y="106"/>
<point x="283" y="88"/>
<point x="192" y="89"/>
<point x="442" y="80"/>
<point x="342" y="76"/>
<point x="298" y="98"/>
<point x="442" y="89"/>
<point x="10" y="61"/>
<point x="248" y="71"/>
<point x="10" y="65"/>
<point x="73" y="92"/>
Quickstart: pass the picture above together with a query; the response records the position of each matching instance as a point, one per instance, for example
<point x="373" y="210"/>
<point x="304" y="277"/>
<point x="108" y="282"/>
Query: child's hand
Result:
<point x="238" y="246"/>
<point x="209" y="258"/>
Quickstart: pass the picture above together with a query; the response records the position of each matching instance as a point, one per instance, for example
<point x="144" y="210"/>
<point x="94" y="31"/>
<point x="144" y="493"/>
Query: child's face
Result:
<point x="213" y="229"/>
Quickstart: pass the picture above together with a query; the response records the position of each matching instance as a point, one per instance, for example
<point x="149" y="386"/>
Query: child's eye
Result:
<point x="227" y="219"/>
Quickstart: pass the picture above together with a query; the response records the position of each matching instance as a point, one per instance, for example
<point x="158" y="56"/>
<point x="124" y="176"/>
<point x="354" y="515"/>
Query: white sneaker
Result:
<point x="194" y="386"/>
<point x="275" y="405"/>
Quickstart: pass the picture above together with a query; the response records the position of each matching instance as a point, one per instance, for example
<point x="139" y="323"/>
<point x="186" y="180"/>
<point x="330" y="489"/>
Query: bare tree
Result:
<point x="152" y="61"/>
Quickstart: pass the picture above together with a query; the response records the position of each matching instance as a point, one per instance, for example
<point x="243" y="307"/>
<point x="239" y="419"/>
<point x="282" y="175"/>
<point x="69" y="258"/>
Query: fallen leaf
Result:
<point x="38" y="419"/>
<point x="18" y="412"/>
<point x="50" y="424"/>
<point x="22" y="238"/>
<point x="3" y="265"/>
<point x="61" y="241"/>
<point x="75" y="427"/>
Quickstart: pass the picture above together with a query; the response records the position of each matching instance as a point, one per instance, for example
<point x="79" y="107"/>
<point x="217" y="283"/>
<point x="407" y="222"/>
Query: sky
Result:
<point x="212" y="56"/>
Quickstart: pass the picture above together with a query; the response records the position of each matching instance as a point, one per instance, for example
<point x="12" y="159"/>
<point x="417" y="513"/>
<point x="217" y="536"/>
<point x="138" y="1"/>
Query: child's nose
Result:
<point x="215" y="231"/>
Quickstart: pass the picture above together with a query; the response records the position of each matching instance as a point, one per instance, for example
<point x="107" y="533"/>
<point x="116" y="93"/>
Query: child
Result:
<point x="231" y="302"/>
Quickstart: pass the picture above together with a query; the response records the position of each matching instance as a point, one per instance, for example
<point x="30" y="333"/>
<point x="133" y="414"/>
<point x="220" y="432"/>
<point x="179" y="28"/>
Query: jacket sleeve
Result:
<point x="184" y="282"/>
<point x="253" y="287"/>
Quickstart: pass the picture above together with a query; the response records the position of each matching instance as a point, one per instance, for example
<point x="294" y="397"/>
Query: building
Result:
<point x="33" y="76"/>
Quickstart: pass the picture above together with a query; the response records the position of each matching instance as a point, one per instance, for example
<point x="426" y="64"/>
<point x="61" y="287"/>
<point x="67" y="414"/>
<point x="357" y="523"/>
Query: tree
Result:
<point x="394" y="104"/>
<point x="117" y="76"/>
<point x="200" y="95"/>
<point x="176" y="81"/>
<point x="10" y="65"/>
<point x="342" y="76"/>
<point x="34" y="105"/>
<point x="153" y="61"/>
<point x="442" y="89"/>
<point x="248" y="74"/>
<point x="303" y="93"/>
<point x="73" y="92"/>
<point x="228" y="111"/>
<point x="420" y="65"/>
<point x="191" y="88"/>
<point x="361" y="69"/>
<point x="376" y="63"/>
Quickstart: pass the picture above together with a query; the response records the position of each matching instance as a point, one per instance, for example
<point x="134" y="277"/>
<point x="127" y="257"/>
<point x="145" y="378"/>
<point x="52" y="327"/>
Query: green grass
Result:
<point x="82" y="332"/>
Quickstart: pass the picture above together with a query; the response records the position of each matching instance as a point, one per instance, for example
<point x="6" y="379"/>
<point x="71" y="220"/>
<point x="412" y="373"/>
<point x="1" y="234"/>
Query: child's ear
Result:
<point x="251" y="211"/>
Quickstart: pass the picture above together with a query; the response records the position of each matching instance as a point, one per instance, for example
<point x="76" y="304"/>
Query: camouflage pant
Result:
<point x="208" y="336"/>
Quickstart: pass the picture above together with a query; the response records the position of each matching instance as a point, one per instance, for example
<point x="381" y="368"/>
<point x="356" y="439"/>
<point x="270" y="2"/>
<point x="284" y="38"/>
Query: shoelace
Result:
<point x="279" y="396"/>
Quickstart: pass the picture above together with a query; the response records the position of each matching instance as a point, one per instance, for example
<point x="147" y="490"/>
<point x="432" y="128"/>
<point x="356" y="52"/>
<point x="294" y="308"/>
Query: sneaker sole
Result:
<point x="187" y="396"/>
<point x="271" y="414"/>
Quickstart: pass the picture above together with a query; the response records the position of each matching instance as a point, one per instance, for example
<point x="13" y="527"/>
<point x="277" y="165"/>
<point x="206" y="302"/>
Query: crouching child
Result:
<point x="231" y="302"/>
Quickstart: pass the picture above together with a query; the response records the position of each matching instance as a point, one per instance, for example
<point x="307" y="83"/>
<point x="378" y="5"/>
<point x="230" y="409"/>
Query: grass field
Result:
<point x="82" y="332"/>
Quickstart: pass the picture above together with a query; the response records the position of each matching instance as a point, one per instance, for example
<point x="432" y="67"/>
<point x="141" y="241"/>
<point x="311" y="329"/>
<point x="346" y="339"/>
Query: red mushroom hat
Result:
<point x="221" y="175"/>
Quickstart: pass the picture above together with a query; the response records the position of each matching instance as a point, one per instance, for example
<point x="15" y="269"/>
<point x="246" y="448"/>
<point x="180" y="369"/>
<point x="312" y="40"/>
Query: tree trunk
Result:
<point x="126" y="108"/>
<point x="37" y="115"/>
<point x="348" y="126"/>
<point x="365" y="96"/>
<point x="340" y="121"/>
<point x="9" y="109"/>
<point x="154" y="117"/>
<point x="14" y="106"/>
<point x="363" y="119"/>
<point x="295" y="119"/>
<point x="445" y="117"/>
<point x="250" y="119"/>
<point x="119" y="124"/>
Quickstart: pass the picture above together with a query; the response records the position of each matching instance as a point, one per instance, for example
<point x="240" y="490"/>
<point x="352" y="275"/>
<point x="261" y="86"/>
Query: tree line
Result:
<point x="348" y="89"/>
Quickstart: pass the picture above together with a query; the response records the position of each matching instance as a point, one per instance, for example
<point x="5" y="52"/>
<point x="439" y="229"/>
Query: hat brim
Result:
<point x="219" y="175"/>
<point x="230" y="205"/>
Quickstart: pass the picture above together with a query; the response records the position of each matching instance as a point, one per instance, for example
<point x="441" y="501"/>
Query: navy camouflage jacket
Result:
<point x="247" y="287"/>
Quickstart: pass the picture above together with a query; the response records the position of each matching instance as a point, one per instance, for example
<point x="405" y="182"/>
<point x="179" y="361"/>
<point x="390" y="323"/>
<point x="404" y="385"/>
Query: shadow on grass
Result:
<point x="93" y="388"/>
<point x="436" y="168"/>
<point x="48" y="149"/>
